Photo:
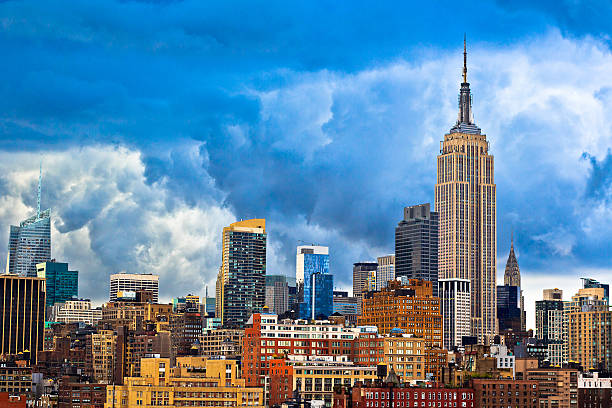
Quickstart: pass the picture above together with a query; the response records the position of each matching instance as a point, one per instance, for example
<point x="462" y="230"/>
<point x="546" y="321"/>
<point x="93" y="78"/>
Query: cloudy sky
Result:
<point x="160" y="122"/>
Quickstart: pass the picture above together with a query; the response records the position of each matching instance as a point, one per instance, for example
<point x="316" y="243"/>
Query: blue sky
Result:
<point x="160" y="122"/>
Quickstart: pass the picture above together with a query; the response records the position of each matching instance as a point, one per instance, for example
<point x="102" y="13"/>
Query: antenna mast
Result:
<point x="39" y="190"/>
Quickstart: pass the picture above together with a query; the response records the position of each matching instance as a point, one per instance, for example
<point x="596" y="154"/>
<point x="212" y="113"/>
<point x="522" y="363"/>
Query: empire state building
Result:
<point x="466" y="203"/>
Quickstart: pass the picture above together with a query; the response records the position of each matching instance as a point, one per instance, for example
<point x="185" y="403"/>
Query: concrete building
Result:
<point x="551" y="325"/>
<point x="385" y="271"/>
<point x="277" y="293"/>
<point x="221" y="342"/>
<point x="416" y="245"/>
<point x="22" y="307"/>
<point x="362" y="272"/>
<point x="75" y="311"/>
<point x="103" y="346"/>
<point x="412" y="358"/>
<point x="241" y="283"/>
<point x="465" y="198"/>
<point x="194" y="381"/>
<point x="133" y="282"/>
<point x="455" y="307"/>
<point x="589" y="322"/>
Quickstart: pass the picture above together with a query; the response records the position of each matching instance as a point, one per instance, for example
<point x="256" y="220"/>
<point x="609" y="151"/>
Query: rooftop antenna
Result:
<point x="39" y="190"/>
<point x="464" y="59"/>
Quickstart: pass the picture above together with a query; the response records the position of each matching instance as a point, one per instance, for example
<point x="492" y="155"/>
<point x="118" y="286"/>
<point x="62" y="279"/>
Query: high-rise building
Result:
<point x="589" y="326"/>
<point x="551" y="325"/>
<point x="314" y="282"/>
<point x="277" y="294"/>
<point x="455" y="306"/>
<point x="362" y="276"/>
<point x="22" y="307"/>
<point x="588" y="283"/>
<point x="62" y="284"/>
<point x="385" y="271"/>
<point x="30" y="243"/>
<point x="416" y="245"/>
<point x="512" y="277"/>
<point x="133" y="282"/>
<point x="509" y="308"/>
<point x="466" y="203"/>
<point x="241" y="283"/>
<point x="387" y="310"/>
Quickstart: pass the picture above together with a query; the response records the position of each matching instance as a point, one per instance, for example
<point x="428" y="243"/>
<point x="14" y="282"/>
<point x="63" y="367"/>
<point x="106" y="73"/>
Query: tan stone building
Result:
<point x="465" y="198"/>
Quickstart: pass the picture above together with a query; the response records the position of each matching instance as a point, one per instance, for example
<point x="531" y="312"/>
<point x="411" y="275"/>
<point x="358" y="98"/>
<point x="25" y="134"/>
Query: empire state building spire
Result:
<point x="465" y="118"/>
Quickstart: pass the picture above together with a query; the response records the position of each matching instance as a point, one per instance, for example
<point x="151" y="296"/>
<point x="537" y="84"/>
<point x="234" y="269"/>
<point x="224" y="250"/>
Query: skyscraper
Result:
<point x="241" y="283"/>
<point x="362" y="272"/>
<point x="62" y="284"/>
<point x="416" y="245"/>
<point x="277" y="294"/>
<point x="132" y="282"/>
<point x="385" y="271"/>
<point x="509" y="308"/>
<point x="466" y="203"/>
<point x="455" y="299"/>
<point x="22" y="309"/>
<point x="314" y="282"/>
<point x="512" y="277"/>
<point x="551" y="324"/>
<point x="30" y="243"/>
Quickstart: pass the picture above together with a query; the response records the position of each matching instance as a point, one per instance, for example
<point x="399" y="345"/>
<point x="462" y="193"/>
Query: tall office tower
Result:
<point x="277" y="294"/>
<point x="592" y="283"/>
<point x="22" y="307"/>
<point x="30" y="242"/>
<point x="416" y="245"/>
<point x="241" y="284"/>
<point x="314" y="282"/>
<point x="465" y="201"/>
<point x="455" y="299"/>
<point x="551" y="326"/>
<point x="512" y="277"/>
<point x="318" y="296"/>
<point x="589" y="322"/>
<point x="385" y="271"/>
<point x="309" y="259"/>
<point x="509" y="308"/>
<point x="362" y="277"/>
<point x="132" y="282"/>
<point x="62" y="284"/>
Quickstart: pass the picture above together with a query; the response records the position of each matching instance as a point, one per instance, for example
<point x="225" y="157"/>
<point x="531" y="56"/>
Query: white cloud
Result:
<point x="118" y="222"/>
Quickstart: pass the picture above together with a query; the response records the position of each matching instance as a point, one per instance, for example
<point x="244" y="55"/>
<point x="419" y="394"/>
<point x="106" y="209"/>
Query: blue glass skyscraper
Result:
<point x="315" y="283"/>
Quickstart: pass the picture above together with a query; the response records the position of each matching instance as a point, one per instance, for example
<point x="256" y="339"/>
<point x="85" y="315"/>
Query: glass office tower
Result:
<point x="62" y="284"/>
<point x="315" y="283"/>
<point x="29" y="244"/>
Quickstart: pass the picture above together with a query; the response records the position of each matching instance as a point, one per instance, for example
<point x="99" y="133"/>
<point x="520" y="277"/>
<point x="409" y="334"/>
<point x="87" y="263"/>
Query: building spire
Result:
<point x="464" y="59"/>
<point x="39" y="190"/>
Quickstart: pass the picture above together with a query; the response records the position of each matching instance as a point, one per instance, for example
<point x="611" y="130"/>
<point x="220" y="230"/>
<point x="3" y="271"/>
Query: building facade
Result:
<point x="490" y="393"/>
<point x="62" y="284"/>
<point x="589" y="321"/>
<point x="277" y="293"/>
<point x="416" y="245"/>
<point x="385" y="271"/>
<point x="314" y="282"/>
<point x="362" y="276"/>
<point x="75" y="311"/>
<point x="512" y="277"/>
<point x="345" y="304"/>
<point x="241" y="283"/>
<point x="455" y="307"/>
<point x="22" y="309"/>
<point x="411" y="308"/>
<point x="509" y="313"/>
<point x="465" y="198"/>
<point x="133" y="282"/>
<point x="29" y="244"/>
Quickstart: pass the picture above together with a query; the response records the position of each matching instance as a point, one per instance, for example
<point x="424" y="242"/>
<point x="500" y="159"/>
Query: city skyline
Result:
<point x="123" y="203"/>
